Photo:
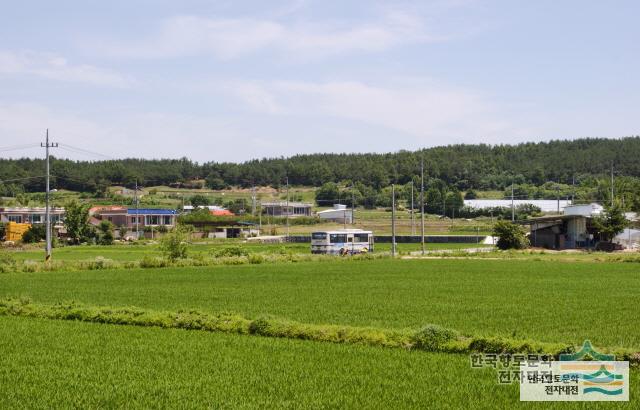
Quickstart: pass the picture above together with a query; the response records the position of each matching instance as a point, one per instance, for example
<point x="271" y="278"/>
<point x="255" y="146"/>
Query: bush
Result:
<point x="259" y="326"/>
<point x="256" y="259"/>
<point x="230" y="251"/>
<point x="149" y="261"/>
<point x="98" y="263"/>
<point x="105" y="236"/>
<point x="174" y="244"/>
<point x="7" y="262"/>
<point x="510" y="235"/>
<point x="433" y="337"/>
<point x="35" y="233"/>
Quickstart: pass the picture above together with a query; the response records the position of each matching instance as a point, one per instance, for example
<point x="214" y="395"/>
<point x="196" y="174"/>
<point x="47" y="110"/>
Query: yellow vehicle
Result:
<point x="15" y="231"/>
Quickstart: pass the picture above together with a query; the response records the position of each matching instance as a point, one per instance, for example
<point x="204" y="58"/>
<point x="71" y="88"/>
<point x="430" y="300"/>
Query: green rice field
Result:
<point x="50" y="363"/>
<point x="53" y="364"/>
<point x="524" y="299"/>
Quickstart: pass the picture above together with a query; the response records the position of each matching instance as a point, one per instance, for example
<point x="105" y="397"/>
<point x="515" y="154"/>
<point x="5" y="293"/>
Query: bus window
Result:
<point x="361" y="237"/>
<point x="319" y="236"/>
<point x="337" y="238"/>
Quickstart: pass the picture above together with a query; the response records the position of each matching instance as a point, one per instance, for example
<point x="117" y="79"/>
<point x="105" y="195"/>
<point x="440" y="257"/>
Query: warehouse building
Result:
<point x="339" y="214"/>
<point x="572" y="229"/>
<point x="545" y="205"/>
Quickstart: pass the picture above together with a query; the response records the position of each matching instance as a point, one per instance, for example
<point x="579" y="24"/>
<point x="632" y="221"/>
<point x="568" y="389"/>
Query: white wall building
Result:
<point x="545" y="205"/>
<point x="339" y="213"/>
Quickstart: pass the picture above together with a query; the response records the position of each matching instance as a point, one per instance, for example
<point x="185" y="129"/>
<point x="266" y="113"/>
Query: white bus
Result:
<point x="342" y="242"/>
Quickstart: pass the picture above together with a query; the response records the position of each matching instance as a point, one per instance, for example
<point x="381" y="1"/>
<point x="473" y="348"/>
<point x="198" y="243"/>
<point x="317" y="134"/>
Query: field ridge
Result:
<point x="430" y="338"/>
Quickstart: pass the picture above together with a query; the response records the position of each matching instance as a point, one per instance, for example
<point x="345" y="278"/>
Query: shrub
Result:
<point x="7" y="262"/>
<point x="256" y="259"/>
<point x="35" y="233"/>
<point x="510" y="235"/>
<point x="122" y="231"/>
<point x="98" y="263"/>
<point x="611" y="222"/>
<point x="106" y="233"/>
<point x="231" y="251"/>
<point x="259" y="326"/>
<point x="433" y="337"/>
<point x="174" y="244"/>
<point x="149" y="261"/>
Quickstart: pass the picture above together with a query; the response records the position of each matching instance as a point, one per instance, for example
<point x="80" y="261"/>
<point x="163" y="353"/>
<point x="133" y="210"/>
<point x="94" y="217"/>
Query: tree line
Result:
<point x="464" y="167"/>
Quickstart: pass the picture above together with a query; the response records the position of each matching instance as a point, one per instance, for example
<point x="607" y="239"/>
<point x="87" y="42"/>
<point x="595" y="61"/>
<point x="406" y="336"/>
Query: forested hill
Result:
<point x="465" y="166"/>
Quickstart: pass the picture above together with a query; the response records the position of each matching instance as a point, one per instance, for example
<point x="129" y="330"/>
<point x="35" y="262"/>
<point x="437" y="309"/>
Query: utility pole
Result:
<point x="444" y="203"/>
<point x="47" y="214"/>
<point x="260" y="219"/>
<point x="611" y="183"/>
<point x="393" y="220"/>
<point x="558" y="196"/>
<point x="344" y="217"/>
<point x="413" y="228"/>
<point x="135" y="198"/>
<point x="422" y="205"/>
<point x="353" y="206"/>
<point x="287" y="214"/>
<point x="253" y="201"/>
<point x="573" y="189"/>
<point x="513" y="208"/>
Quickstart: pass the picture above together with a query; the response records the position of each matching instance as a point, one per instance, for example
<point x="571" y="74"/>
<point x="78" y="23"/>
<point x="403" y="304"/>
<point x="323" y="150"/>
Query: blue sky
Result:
<point x="235" y="80"/>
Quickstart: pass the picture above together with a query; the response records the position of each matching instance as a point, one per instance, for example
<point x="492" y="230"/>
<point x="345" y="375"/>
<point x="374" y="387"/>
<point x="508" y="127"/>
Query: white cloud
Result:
<point x="228" y="38"/>
<point x="419" y="108"/>
<point x="55" y="67"/>
<point x="256" y="96"/>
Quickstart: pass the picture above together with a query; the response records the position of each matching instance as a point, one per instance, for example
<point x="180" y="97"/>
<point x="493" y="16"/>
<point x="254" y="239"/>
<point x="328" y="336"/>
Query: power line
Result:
<point x="79" y="150"/>
<point x="18" y="147"/>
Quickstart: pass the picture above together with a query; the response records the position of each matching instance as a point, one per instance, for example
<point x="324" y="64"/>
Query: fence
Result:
<point x="408" y="238"/>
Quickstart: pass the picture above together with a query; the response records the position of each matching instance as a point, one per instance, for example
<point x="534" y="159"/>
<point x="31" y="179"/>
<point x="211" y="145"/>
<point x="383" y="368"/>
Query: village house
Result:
<point x="26" y="215"/>
<point x="132" y="218"/>
<point x="284" y="208"/>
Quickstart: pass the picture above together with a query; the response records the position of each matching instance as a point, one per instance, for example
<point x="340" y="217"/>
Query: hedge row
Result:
<point x="9" y="265"/>
<point x="430" y="338"/>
